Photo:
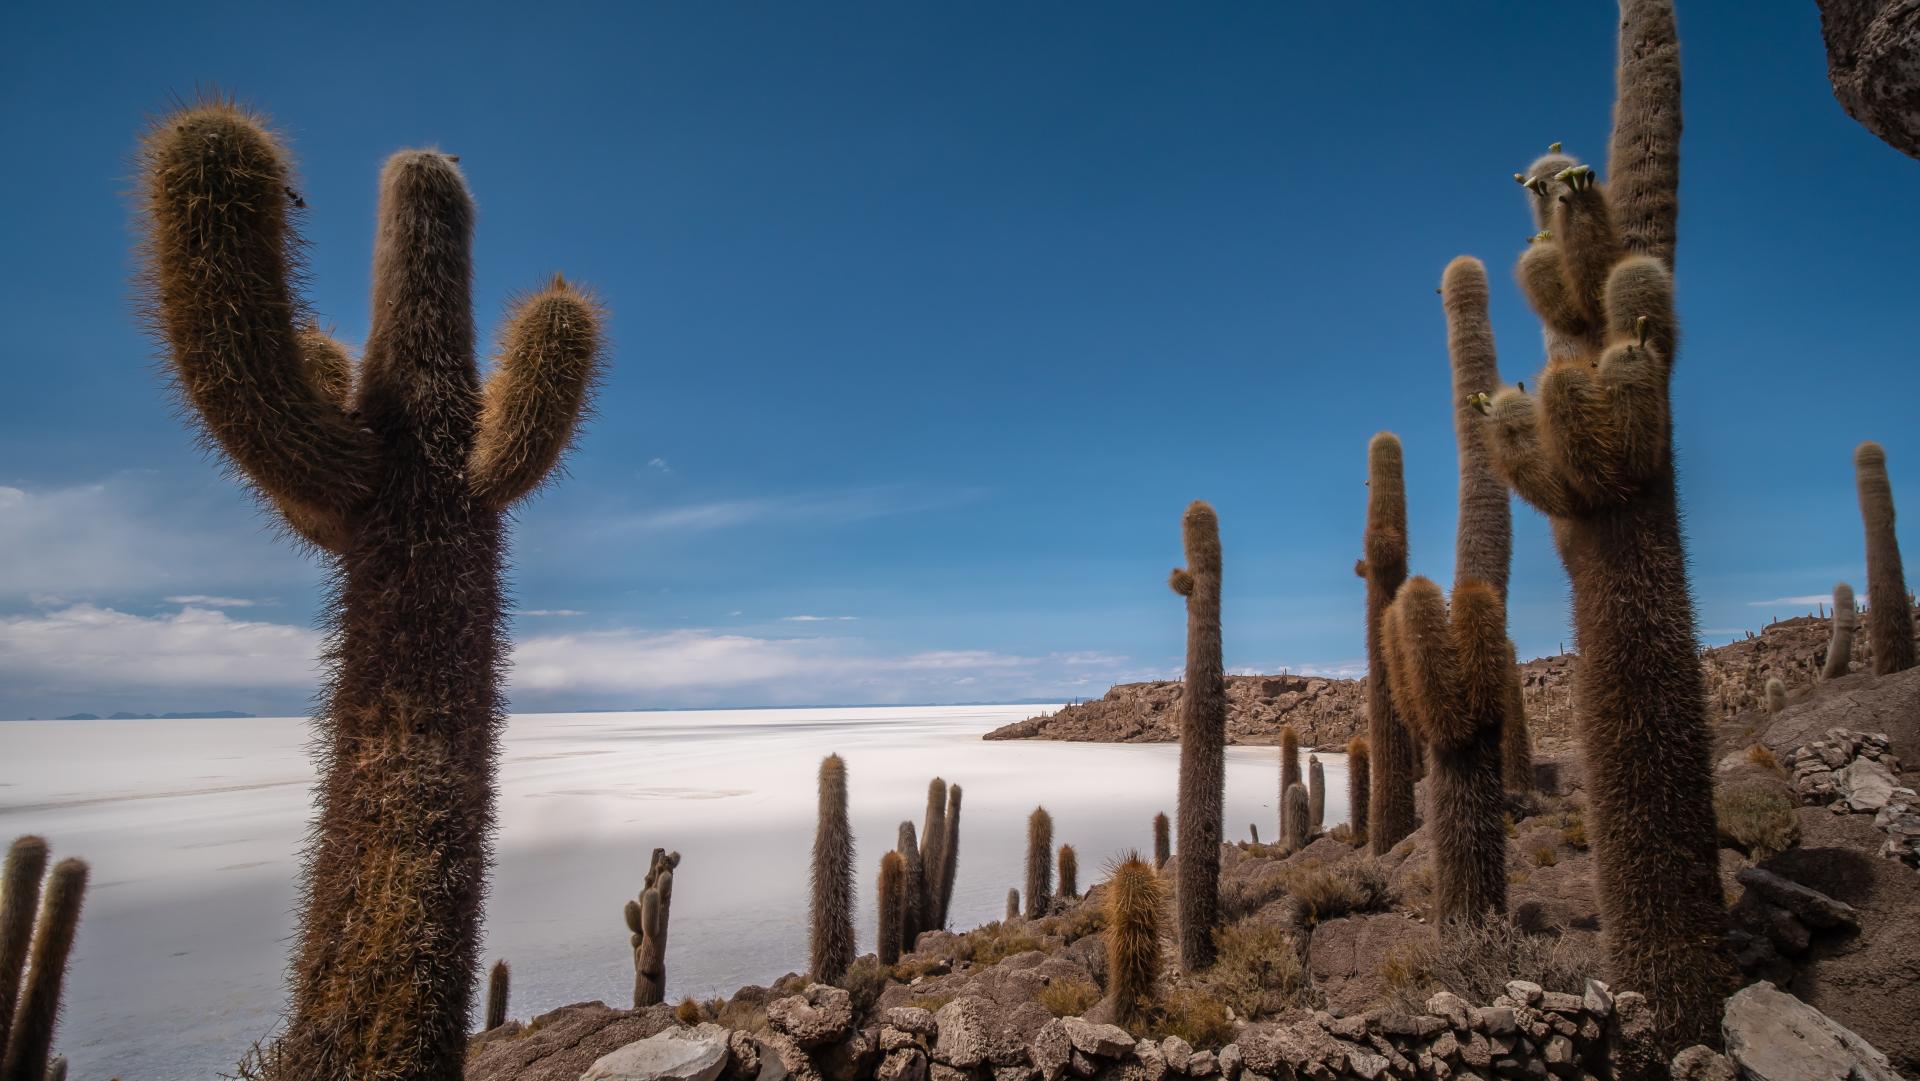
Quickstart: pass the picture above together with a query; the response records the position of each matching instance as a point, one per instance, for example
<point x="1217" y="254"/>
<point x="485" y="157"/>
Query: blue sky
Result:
<point x="929" y="320"/>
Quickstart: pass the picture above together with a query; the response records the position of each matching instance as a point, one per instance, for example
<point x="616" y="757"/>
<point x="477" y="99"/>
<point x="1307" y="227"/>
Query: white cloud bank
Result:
<point x="1807" y="600"/>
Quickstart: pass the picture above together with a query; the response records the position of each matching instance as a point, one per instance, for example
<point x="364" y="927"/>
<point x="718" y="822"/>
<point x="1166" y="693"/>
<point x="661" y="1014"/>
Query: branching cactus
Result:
<point x="892" y="901"/>
<point x="1069" y="872"/>
<point x="401" y="468"/>
<point x="830" y="936"/>
<point x="33" y="954"/>
<point x="1840" y="647"/>
<point x="1039" y="863"/>
<point x="1593" y="451"/>
<point x="1162" y="841"/>
<point x="498" y="979"/>
<point x="647" y="918"/>
<point x="1203" y="739"/>
<point x="1316" y="795"/>
<point x="1359" y="770"/>
<point x="933" y="836"/>
<point x="1135" y="898"/>
<point x="1889" y="609"/>
<point x="1296" y="812"/>
<point x="914" y="920"/>
<point x="1289" y="773"/>
<point x="949" y="856"/>
<point x="1390" y="815"/>
<point x="1449" y="675"/>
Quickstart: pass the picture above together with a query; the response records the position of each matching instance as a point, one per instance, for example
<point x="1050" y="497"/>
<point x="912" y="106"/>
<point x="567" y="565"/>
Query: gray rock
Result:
<point x="1495" y="1020"/>
<point x="903" y="1064"/>
<point x="678" y="1054"/>
<point x="1636" y="1044"/>
<point x="893" y="1039"/>
<point x="1865" y="785"/>
<point x="1452" y="1009"/>
<point x="821" y="1015"/>
<point x="1231" y="1059"/>
<point x="912" y="1019"/>
<point x="1559" y="1058"/>
<point x="1524" y="991"/>
<point x="1050" y="1050"/>
<point x="1015" y="1072"/>
<point x="1366" y="1064"/>
<point x="1813" y="908"/>
<point x="851" y="1059"/>
<point x="785" y="1058"/>
<point x="966" y="1028"/>
<point x="1702" y="1063"/>
<point x="1178" y="1053"/>
<point x="1562" y="1003"/>
<point x="1152" y="1063"/>
<point x="1100" y="1041"/>
<point x="1773" y="1036"/>
<point x="743" y="1056"/>
<point x="1203" y="1064"/>
<point x="940" y="1071"/>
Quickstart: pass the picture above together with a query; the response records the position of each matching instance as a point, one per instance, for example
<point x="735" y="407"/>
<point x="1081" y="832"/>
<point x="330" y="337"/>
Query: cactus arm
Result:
<point x="329" y="369"/>
<point x="550" y="358"/>
<point x="1576" y="426"/>
<point x="1643" y="158"/>
<point x="1421" y="663"/>
<point x="220" y="259"/>
<point x="1584" y="238"/>
<point x="634" y="921"/>
<point x="1518" y="457"/>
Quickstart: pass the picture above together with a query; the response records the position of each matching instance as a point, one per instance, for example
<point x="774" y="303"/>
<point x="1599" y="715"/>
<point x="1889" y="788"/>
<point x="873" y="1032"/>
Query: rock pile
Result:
<point x="1857" y="773"/>
<point x="1324" y="712"/>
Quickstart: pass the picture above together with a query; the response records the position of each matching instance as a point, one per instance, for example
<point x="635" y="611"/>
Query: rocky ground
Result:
<point x="1330" y="967"/>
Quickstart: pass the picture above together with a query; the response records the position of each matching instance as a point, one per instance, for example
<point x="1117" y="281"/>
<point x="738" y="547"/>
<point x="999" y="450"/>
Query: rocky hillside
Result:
<point x="1327" y="712"/>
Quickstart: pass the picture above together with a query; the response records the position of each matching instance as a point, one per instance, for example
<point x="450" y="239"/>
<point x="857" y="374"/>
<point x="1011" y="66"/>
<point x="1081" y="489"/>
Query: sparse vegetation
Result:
<point x="1545" y="856"/>
<point x="1316" y="894"/>
<point x="1191" y="1014"/>
<point x="1257" y="969"/>
<point x="1069" y="998"/>
<point x="1476" y="962"/>
<point x="1756" y="815"/>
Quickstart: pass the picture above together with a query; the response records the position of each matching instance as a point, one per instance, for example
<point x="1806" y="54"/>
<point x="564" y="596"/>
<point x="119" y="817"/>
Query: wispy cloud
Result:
<point x="659" y="465"/>
<point x="1805" y="601"/>
<point x="851" y="505"/>
<point x="202" y="600"/>
<point x="550" y="612"/>
<point x="817" y="619"/>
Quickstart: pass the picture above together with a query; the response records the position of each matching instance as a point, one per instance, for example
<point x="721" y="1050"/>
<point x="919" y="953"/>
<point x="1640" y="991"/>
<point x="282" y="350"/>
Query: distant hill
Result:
<point x="123" y="716"/>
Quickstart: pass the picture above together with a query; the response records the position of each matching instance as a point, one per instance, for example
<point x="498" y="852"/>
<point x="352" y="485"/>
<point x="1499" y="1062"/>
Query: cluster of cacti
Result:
<point x="497" y="980"/>
<point x="1448" y="674"/>
<point x="1776" y="695"/>
<point x="914" y="919"/>
<point x="892" y="894"/>
<point x="36" y="936"/>
<point x="1840" y="647"/>
<point x="402" y="468"/>
<point x="1134" y="903"/>
<point x="1069" y="872"/>
<point x="1359" y="774"/>
<point x="1392" y="753"/>
<point x="1295" y="811"/>
<point x="933" y="839"/>
<point x="1289" y="773"/>
<point x="1162" y="840"/>
<point x="830" y="938"/>
<point x="1203" y="738"/>
<point x="1593" y="452"/>
<point x="1039" y="862"/>
<point x="647" y="918"/>
<point x="1316" y="795"/>
<point x="1889" y="608"/>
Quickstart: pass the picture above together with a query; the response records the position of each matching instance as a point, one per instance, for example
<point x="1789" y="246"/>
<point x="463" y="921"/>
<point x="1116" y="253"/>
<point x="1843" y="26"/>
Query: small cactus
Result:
<point x="1840" y="648"/>
<point x="1297" y="813"/>
<point x="1134" y="904"/>
<point x="1316" y="795"/>
<point x="1289" y="772"/>
<point x="1013" y="903"/>
<point x="892" y="895"/>
<point x="1039" y="862"/>
<point x="34" y="1002"/>
<point x="830" y="937"/>
<point x="949" y="856"/>
<point x="647" y="918"/>
<point x="1889" y="606"/>
<point x="1253" y="831"/>
<point x="1069" y="872"/>
<point x="1776" y="694"/>
<point x="497" y="979"/>
<point x="1162" y="845"/>
<point x="1203" y="739"/>
<point x="1359" y="774"/>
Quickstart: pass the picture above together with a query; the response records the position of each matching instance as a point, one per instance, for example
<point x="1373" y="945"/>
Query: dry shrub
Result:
<point x="1476" y="963"/>
<point x="995" y="942"/>
<point x="1316" y="894"/>
<point x="1545" y="856"/>
<point x="1243" y="895"/>
<point x="1257" y="970"/>
<point x="688" y="1012"/>
<point x="1756" y="816"/>
<point x="1761" y="755"/>
<point x="930" y="1003"/>
<point x="1069" y="998"/>
<point x="1342" y="833"/>
<point x="864" y="982"/>
<point x="1573" y="830"/>
<point x="1193" y="1015"/>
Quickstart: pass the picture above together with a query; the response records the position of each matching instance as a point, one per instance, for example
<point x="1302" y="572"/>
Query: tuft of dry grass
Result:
<point x="995" y="942"/>
<point x="930" y="1003"/>
<point x="1193" y="1015"/>
<point x="1756" y="816"/>
<point x="1257" y="970"/>
<point x="1573" y="830"/>
<point x="1761" y="755"/>
<point x="688" y="1012"/>
<point x="1477" y="962"/>
<point x="1069" y="998"/>
<point x="1316" y="894"/>
<point x="1545" y="856"/>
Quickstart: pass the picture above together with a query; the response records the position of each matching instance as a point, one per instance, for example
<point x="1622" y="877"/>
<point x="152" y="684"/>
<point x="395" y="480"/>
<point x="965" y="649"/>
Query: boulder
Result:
<point x="820" y="1015"/>
<point x="1865" y="785"/>
<point x="1050" y="1050"/>
<point x="1873" y="62"/>
<point x="1702" y="1063"/>
<point x="677" y="1054"/>
<point x="966" y="1025"/>
<point x="1772" y="1036"/>
<point x="1813" y="908"/>
<point x="912" y="1020"/>
<point x="561" y="1044"/>
<point x="1100" y="1041"/>
<point x="903" y="1064"/>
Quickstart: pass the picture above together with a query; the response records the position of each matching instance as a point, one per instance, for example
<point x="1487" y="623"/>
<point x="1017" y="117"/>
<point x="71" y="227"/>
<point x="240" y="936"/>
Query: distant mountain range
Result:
<point x="123" y="716"/>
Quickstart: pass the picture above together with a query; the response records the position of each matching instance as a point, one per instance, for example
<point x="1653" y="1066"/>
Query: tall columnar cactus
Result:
<point x="1134" y="903"/>
<point x="933" y="835"/>
<point x="1889" y="609"/>
<point x="1594" y="453"/>
<point x="949" y="856"/>
<point x="1203" y="739"/>
<point x="498" y="979"/>
<point x="892" y="904"/>
<point x="34" y="1001"/>
<point x="57" y="1069"/>
<point x="1253" y="831"/>
<point x="402" y="469"/>
<point x="1776" y="694"/>
<point x="1162" y="841"/>
<point x="1013" y="903"/>
<point x="1359" y="773"/>
<point x="1297" y="811"/>
<point x="1316" y="794"/>
<point x="830" y="938"/>
<point x="1039" y="862"/>
<point x="1069" y="872"/>
<point x="1449" y="674"/>
<point x="914" y="918"/>
<point x="1289" y="773"/>
<point x="1390" y="810"/>
<point x="1483" y="536"/>
<point x="647" y="918"/>
<point x="1840" y="647"/>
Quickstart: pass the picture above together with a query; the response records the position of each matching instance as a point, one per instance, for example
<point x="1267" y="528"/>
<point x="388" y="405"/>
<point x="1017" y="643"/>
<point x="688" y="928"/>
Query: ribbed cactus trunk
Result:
<point x="933" y="837"/>
<point x="914" y="916"/>
<point x="1069" y="872"/>
<point x="498" y="980"/>
<point x="1359" y="774"/>
<point x="1295" y="816"/>
<point x="1135" y="899"/>
<point x="1596" y="456"/>
<point x="1289" y="774"/>
<point x="1516" y="738"/>
<point x="1390" y="812"/>
<point x="647" y="918"/>
<point x="1316" y="795"/>
<point x="1889" y="609"/>
<point x="1039" y="863"/>
<point x="402" y="469"/>
<point x="892" y="903"/>
<point x="19" y="899"/>
<point x="830" y="938"/>
<point x="1203" y="739"/>
<point x="1840" y="646"/>
<point x="1162" y="840"/>
<point x="41" y="945"/>
<point x="949" y="856"/>
<point x="1776" y="695"/>
<point x="1013" y="903"/>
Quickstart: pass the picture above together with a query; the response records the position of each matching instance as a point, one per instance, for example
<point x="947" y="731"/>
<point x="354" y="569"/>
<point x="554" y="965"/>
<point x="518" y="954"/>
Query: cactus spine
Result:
<point x="1069" y="872"/>
<point x="1889" y="609"/>
<point x="1289" y="774"/>
<point x="830" y="937"/>
<point x="1203" y="739"/>
<point x="949" y="855"/>
<point x="403" y="470"/>
<point x="647" y="919"/>
<point x="1039" y="862"/>
<point x="933" y="836"/>
<point x="915" y="920"/>
<point x="1316" y="795"/>
<point x="1134" y="903"/>
<point x="1594" y="453"/>
<point x="1449" y="674"/>
<point x="1776" y="694"/>
<point x="1162" y="844"/>
<point x="1358" y="776"/>
<point x="36" y="1003"/>
<point x="497" y="980"/>
<point x="892" y="895"/>
<point x="1840" y="648"/>
<point x="1013" y="903"/>
<point x="1297" y="813"/>
<point x="1390" y="811"/>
